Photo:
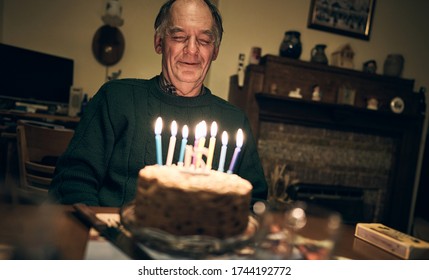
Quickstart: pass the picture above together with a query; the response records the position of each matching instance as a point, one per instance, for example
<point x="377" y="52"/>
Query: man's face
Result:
<point x="188" y="48"/>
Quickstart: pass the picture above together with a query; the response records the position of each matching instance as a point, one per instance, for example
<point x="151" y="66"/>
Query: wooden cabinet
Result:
<point x="343" y="107"/>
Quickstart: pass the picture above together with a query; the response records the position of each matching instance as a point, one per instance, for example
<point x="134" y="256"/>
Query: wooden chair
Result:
<point x="39" y="146"/>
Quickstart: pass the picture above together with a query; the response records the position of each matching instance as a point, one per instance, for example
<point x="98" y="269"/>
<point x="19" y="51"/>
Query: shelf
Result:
<point x="286" y="109"/>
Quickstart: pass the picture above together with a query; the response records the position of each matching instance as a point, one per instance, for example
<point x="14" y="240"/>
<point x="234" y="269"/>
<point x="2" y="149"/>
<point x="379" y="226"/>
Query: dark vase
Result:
<point x="318" y="54"/>
<point x="291" y="45"/>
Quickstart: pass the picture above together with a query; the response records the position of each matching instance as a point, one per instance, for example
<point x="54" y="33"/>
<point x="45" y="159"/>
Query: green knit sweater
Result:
<point x="115" y="139"/>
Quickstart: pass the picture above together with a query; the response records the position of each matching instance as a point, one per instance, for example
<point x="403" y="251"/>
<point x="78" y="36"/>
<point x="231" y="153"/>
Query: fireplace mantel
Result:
<point x="279" y="108"/>
<point x="263" y="106"/>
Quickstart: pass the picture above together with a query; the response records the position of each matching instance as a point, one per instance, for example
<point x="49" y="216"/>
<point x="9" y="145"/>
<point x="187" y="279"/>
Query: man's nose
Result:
<point x="192" y="46"/>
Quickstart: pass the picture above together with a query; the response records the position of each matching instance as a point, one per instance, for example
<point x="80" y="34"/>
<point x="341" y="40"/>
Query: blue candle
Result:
<point x="185" y="132"/>
<point x="158" y="129"/>
<point x="236" y="151"/>
<point x="223" y="151"/>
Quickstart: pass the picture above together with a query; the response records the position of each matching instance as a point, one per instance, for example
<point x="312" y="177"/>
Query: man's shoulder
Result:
<point x="129" y="82"/>
<point x="126" y="88"/>
<point x="226" y="105"/>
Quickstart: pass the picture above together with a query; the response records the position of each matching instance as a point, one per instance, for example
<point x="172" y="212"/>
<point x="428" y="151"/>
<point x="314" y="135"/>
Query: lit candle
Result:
<point x="201" y="143"/>
<point x="185" y="132"/>
<point x="213" y="132"/>
<point x="197" y="138"/>
<point x="172" y="143"/>
<point x="223" y="151"/>
<point x="158" y="129"/>
<point x="188" y="156"/>
<point x="237" y="150"/>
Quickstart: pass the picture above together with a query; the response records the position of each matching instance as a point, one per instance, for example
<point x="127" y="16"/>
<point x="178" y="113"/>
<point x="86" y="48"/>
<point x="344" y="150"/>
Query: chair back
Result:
<point x="39" y="146"/>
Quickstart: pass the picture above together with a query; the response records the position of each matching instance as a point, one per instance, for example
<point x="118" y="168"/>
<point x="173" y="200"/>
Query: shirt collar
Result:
<point x="170" y="89"/>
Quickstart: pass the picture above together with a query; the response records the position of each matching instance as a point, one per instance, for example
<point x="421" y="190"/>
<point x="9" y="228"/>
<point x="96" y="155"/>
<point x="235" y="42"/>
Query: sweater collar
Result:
<point x="170" y="89"/>
<point x="201" y="100"/>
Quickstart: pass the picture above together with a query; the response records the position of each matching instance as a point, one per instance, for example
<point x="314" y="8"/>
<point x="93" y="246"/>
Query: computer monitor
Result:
<point x="34" y="77"/>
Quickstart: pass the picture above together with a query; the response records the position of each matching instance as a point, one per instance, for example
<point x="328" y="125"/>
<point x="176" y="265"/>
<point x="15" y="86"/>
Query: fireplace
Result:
<point x="328" y="161"/>
<point x="342" y="147"/>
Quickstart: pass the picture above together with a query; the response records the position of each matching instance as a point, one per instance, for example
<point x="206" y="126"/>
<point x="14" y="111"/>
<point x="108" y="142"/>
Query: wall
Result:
<point x="66" y="28"/>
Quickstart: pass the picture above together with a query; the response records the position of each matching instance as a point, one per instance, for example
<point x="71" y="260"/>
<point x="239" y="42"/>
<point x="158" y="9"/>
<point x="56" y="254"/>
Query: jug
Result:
<point x="318" y="54"/>
<point x="393" y="65"/>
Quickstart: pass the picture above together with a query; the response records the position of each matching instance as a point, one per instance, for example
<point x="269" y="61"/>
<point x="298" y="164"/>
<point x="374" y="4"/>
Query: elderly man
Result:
<point x="115" y="137"/>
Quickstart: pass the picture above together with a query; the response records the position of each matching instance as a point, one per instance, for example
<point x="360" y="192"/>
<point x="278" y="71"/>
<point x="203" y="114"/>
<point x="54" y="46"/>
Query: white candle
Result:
<point x="237" y="150"/>
<point x="201" y="143"/>
<point x="212" y="144"/>
<point x="185" y="132"/>
<point x="158" y="129"/>
<point x="223" y="151"/>
<point x="197" y="138"/>
<point x="172" y="143"/>
<point x="188" y="156"/>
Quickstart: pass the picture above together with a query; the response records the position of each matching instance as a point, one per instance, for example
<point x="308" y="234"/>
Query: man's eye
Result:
<point x="204" y="42"/>
<point x="179" y="38"/>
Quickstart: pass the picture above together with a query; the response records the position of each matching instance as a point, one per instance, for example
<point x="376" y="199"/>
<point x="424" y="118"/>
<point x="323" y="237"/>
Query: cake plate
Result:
<point x="159" y="244"/>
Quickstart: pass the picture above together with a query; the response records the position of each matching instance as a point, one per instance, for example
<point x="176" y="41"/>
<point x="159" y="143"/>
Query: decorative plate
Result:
<point x="397" y="105"/>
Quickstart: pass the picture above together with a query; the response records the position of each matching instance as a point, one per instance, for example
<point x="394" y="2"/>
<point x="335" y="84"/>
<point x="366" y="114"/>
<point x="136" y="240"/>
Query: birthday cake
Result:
<point x="182" y="202"/>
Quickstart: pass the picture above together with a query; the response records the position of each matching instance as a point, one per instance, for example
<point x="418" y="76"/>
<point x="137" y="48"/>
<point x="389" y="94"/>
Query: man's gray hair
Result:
<point x="163" y="20"/>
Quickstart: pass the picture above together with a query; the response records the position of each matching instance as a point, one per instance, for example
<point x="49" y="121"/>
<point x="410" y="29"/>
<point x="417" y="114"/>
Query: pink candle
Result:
<point x="237" y="150"/>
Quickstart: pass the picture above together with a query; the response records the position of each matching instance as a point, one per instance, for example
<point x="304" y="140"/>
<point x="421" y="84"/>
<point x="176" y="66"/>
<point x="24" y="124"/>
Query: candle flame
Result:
<point x="203" y="129"/>
<point x="240" y="138"/>
<point x="213" y="129"/>
<point x="174" y="128"/>
<point x="198" y="131"/>
<point x="158" y="126"/>
<point x="185" y="131"/>
<point x="224" y="138"/>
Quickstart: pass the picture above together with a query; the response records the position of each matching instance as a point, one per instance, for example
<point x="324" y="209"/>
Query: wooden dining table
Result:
<point x="56" y="232"/>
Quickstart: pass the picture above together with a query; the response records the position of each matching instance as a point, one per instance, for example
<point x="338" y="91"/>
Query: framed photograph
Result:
<point x="347" y="17"/>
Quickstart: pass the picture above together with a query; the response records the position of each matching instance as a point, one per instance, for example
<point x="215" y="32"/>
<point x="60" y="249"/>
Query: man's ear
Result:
<point x="157" y="42"/>
<point x="215" y="53"/>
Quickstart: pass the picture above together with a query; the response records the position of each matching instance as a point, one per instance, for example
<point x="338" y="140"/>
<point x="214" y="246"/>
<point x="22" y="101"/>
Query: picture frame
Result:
<point x="348" y="17"/>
